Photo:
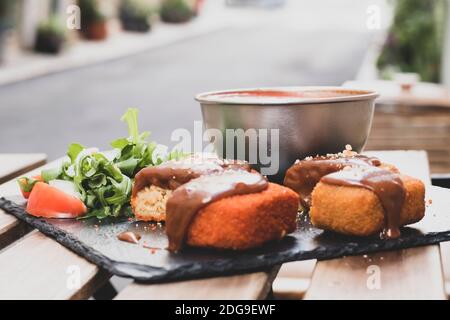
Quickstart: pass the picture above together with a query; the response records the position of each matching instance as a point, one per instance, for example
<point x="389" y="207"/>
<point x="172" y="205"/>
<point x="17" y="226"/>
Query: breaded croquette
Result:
<point x="357" y="211"/>
<point x="154" y="185"/>
<point x="355" y="194"/>
<point x="150" y="203"/>
<point x="245" y="221"/>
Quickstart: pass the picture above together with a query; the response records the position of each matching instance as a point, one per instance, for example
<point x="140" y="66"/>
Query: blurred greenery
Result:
<point x="50" y="36"/>
<point x="415" y="39"/>
<point x="175" y="11"/>
<point x="135" y="15"/>
<point x="136" y="8"/>
<point x="52" y="26"/>
<point x="90" y="12"/>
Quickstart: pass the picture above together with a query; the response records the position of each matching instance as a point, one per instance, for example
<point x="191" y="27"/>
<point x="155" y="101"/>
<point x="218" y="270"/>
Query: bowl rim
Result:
<point x="354" y="95"/>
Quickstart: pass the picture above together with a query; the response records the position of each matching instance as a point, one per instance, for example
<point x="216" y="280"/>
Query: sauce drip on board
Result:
<point x="190" y="198"/>
<point x="385" y="184"/>
<point x="129" y="236"/>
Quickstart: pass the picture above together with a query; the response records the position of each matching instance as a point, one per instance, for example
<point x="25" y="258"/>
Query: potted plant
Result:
<point x="135" y="15"/>
<point x="6" y="22"/>
<point x="93" y="21"/>
<point x="50" y="36"/>
<point x="175" y="11"/>
<point x="414" y="43"/>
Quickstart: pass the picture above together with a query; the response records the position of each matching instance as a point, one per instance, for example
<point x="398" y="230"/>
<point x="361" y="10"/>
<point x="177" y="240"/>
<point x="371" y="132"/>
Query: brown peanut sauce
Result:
<point x="129" y="236"/>
<point x="190" y="198"/>
<point x="388" y="187"/>
<point x="303" y="176"/>
<point x="172" y="174"/>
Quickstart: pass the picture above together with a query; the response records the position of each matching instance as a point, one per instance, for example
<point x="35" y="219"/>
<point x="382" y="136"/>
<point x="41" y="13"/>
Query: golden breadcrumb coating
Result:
<point x="245" y="221"/>
<point x="358" y="211"/>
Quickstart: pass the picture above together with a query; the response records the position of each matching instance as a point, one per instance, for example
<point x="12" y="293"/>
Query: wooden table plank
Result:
<point x="13" y="165"/>
<point x="242" y="287"/>
<point x="293" y="280"/>
<point x="11" y="228"/>
<point x="37" y="267"/>
<point x="445" y="256"/>
<point x="403" y="274"/>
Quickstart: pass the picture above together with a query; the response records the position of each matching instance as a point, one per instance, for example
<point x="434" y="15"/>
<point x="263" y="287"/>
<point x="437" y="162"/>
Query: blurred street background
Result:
<point x="157" y="55"/>
<point x="300" y="43"/>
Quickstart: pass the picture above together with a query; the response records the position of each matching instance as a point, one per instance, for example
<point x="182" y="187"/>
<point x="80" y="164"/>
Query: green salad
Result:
<point x="103" y="180"/>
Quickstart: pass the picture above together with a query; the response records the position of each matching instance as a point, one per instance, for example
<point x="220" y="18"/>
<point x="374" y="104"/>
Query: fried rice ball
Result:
<point x="358" y="212"/>
<point x="245" y="221"/>
<point x="150" y="204"/>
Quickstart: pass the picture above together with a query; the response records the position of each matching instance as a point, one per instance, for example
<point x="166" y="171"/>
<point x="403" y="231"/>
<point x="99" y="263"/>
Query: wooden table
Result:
<point x="35" y="266"/>
<point x="13" y="165"/>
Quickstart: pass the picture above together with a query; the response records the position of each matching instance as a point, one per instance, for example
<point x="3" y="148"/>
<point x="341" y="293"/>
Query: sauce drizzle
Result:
<point x="172" y="174"/>
<point x="190" y="198"/>
<point x="303" y="176"/>
<point x="388" y="187"/>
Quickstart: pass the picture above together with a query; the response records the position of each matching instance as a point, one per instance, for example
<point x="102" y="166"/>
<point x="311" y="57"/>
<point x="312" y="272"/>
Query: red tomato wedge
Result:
<point x="49" y="202"/>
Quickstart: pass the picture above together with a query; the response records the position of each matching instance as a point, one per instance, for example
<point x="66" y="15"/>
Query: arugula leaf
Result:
<point x="128" y="166"/>
<point x="135" y="151"/>
<point x="74" y="151"/>
<point x="120" y="143"/>
<point x="130" y="117"/>
<point x="51" y="174"/>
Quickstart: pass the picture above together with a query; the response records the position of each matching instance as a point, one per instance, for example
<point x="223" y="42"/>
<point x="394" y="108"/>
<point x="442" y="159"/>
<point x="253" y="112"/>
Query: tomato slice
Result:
<point x="49" y="202"/>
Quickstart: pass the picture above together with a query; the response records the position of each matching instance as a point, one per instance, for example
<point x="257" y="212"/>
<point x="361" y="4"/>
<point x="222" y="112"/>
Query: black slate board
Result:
<point x="97" y="242"/>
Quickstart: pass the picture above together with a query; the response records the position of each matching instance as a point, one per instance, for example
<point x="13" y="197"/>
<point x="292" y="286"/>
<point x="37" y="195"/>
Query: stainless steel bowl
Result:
<point x="310" y="120"/>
